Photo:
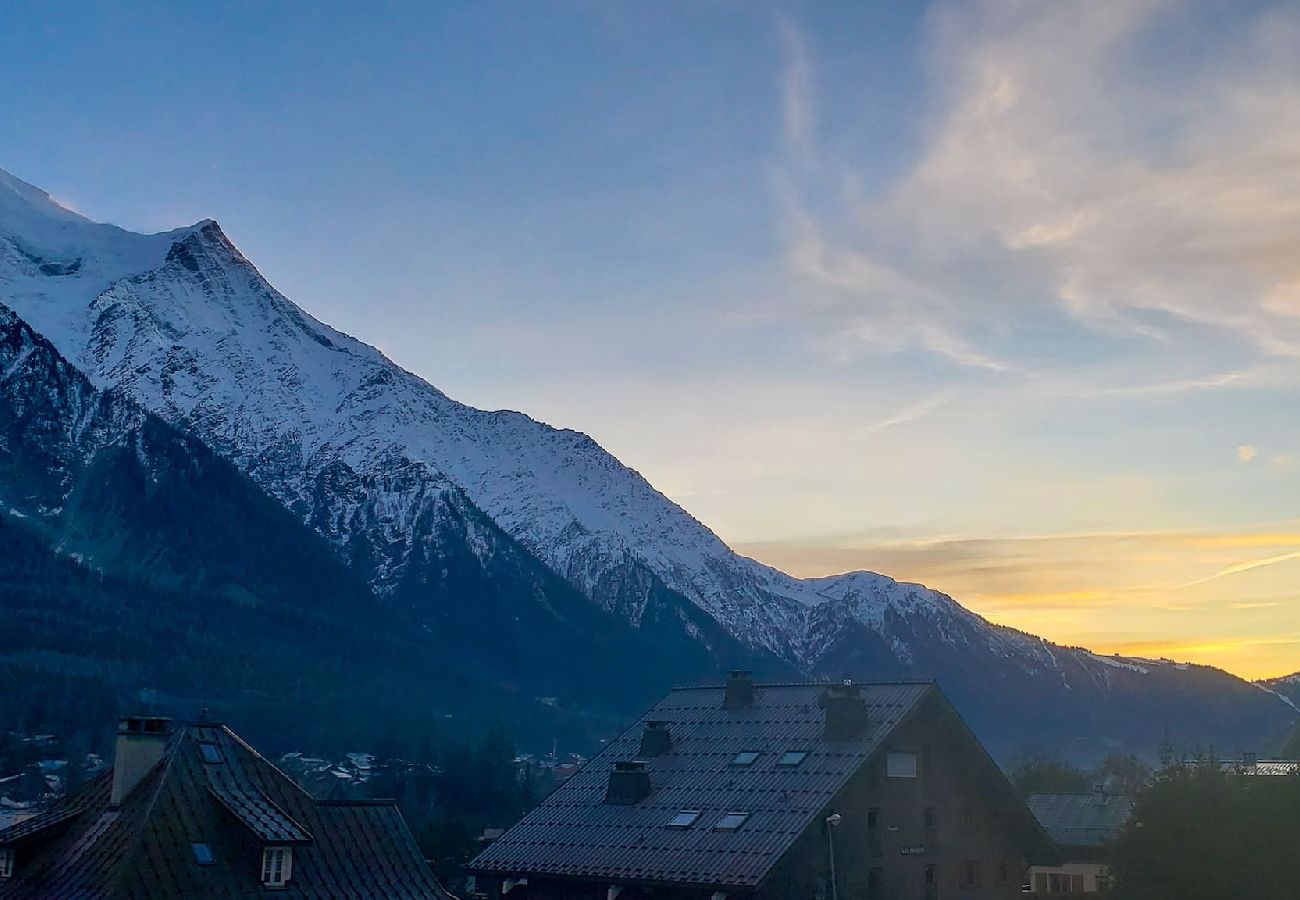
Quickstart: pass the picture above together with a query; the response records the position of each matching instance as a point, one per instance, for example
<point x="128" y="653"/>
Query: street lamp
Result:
<point x="831" y="821"/>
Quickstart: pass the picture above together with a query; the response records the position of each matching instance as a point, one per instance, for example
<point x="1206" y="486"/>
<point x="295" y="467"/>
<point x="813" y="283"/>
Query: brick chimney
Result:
<point x="740" y="690"/>
<point x="141" y="741"/>
<point x="846" y="712"/>
<point x="629" y="783"/>
<point x="655" y="740"/>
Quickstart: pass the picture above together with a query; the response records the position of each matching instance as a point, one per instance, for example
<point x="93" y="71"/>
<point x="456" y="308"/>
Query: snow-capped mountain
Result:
<point x="366" y="452"/>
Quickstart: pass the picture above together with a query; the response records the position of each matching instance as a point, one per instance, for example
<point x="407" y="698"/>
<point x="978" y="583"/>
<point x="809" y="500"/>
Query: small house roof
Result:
<point x="144" y="847"/>
<point x="1081" y="820"/>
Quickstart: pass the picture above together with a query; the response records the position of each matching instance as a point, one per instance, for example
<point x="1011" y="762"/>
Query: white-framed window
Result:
<point x="684" y="819"/>
<point x="900" y="765"/>
<point x="277" y="866"/>
<point x="6" y="862"/>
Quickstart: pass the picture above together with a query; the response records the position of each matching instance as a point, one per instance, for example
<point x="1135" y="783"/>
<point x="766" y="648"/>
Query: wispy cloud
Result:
<point x="913" y="411"/>
<point x="1244" y="567"/>
<point x="796" y="89"/>
<point x="1067" y="181"/>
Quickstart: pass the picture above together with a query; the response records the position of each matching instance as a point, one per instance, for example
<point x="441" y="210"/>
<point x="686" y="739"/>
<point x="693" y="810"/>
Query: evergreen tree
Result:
<point x="1199" y="833"/>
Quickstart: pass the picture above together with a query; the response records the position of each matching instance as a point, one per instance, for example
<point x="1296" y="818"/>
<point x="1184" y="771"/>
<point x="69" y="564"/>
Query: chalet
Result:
<point x="193" y="811"/>
<point x="1082" y="826"/>
<point x="774" y="791"/>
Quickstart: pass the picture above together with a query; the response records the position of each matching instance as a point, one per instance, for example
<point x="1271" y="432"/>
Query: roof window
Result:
<point x="731" y="821"/>
<point x="203" y="854"/>
<point x="792" y="757"/>
<point x="211" y="753"/>
<point x="745" y="758"/>
<point x="684" y="819"/>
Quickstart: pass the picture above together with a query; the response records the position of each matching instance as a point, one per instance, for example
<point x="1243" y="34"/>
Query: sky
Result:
<point x="1001" y="297"/>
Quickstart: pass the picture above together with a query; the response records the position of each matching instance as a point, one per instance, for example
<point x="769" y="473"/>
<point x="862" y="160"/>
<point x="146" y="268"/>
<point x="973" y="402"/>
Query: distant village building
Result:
<point x="1251" y="764"/>
<point x="1083" y="826"/>
<point x="777" y="791"/>
<point x="193" y="811"/>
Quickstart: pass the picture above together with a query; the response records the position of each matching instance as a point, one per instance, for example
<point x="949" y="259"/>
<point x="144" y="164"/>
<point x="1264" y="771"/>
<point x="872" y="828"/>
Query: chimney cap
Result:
<point x="847" y="717"/>
<point x="629" y="783"/>
<point x="656" y="740"/>
<point x="738" y="693"/>
<point x="144" y="725"/>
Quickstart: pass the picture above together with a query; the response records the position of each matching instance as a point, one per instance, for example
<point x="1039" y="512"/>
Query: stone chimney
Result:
<point x="629" y="783"/>
<point x="740" y="690"/>
<point x="846" y="712"/>
<point x="141" y="741"/>
<point x="655" y="740"/>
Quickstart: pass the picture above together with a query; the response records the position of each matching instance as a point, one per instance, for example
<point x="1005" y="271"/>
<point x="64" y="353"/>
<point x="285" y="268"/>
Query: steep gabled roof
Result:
<point x="574" y="833"/>
<point x="235" y="806"/>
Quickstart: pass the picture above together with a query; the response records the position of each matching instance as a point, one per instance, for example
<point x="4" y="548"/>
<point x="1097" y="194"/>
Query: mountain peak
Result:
<point x="18" y="198"/>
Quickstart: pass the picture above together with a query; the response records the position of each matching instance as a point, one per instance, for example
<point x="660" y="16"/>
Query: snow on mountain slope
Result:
<point x="186" y="325"/>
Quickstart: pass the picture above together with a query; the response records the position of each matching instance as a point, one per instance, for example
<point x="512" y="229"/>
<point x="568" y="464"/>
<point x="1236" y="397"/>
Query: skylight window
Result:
<point x="745" y="758"/>
<point x="203" y="854"/>
<point x="684" y="819"/>
<point x="731" y="821"/>
<point x="211" y="753"/>
<point x="792" y="757"/>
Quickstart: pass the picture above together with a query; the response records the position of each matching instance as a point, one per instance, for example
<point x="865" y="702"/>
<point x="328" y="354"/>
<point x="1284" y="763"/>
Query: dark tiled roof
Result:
<point x="144" y="848"/>
<point x="575" y="833"/>
<point x="1081" y="820"/>
<point x="58" y="817"/>
<point x="262" y="817"/>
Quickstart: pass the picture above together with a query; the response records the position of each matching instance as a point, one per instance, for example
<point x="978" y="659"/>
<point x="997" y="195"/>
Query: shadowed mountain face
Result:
<point x="135" y="559"/>
<point x="425" y="499"/>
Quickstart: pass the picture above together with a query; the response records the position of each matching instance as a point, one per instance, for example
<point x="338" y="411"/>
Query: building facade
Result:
<point x="778" y="791"/>
<point x="1082" y="826"/>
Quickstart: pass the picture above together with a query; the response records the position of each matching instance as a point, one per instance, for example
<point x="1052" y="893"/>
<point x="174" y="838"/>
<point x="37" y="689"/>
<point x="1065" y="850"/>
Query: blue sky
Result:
<point x="1000" y="296"/>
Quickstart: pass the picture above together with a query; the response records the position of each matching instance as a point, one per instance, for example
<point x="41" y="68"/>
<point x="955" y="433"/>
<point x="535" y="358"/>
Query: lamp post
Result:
<point x="831" y="821"/>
